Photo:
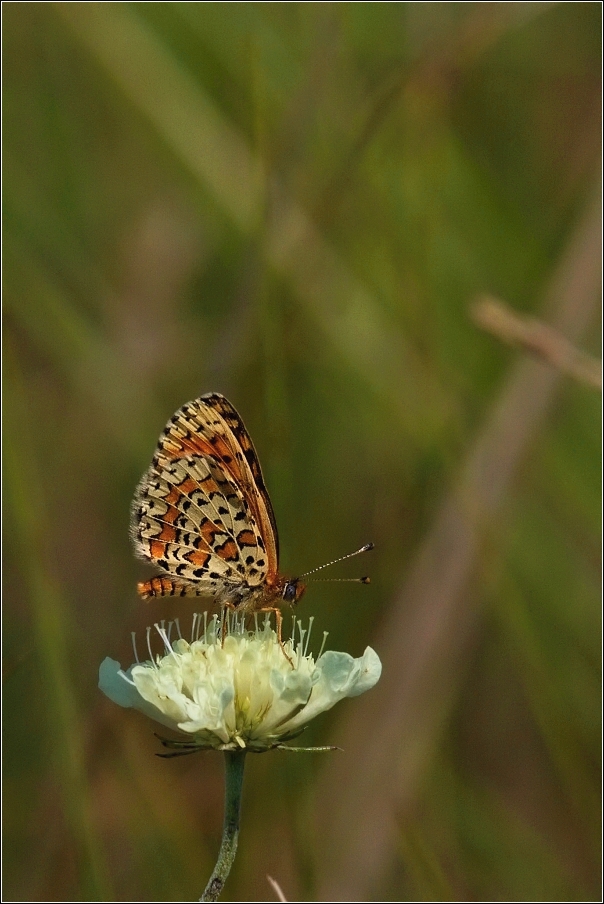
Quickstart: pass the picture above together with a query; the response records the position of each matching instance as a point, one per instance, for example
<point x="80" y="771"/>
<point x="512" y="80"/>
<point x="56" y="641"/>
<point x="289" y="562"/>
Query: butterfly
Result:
<point x="203" y="516"/>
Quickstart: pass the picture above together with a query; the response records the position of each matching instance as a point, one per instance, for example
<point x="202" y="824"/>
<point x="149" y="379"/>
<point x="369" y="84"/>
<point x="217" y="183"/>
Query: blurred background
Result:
<point x="298" y="204"/>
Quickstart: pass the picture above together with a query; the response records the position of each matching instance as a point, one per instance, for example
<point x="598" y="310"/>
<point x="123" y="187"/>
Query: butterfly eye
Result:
<point x="289" y="591"/>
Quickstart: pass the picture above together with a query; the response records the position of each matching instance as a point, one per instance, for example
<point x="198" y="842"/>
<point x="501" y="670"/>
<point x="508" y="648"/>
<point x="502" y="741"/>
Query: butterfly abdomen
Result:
<point x="161" y="587"/>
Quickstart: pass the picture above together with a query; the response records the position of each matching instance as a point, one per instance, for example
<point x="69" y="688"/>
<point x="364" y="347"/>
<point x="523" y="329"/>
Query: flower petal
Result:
<point x="115" y="686"/>
<point x="118" y="686"/>
<point x="340" y="675"/>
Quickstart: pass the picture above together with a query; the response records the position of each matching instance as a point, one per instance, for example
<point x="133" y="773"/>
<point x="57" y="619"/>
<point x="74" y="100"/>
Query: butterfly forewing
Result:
<point x="224" y="436"/>
<point x="202" y="513"/>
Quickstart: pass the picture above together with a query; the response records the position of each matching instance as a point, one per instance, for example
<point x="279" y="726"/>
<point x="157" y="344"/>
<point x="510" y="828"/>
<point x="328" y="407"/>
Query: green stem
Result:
<point x="234" y="761"/>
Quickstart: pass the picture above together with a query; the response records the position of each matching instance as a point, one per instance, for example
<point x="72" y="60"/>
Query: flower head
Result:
<point x="242" y="692"/>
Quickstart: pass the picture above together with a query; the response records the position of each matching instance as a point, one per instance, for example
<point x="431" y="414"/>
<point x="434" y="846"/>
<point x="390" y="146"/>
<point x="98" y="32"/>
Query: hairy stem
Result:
<point x="234" y="761"/>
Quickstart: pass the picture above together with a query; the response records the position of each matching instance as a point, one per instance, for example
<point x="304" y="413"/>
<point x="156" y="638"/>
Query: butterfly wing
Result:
<point x="202" y="513"/>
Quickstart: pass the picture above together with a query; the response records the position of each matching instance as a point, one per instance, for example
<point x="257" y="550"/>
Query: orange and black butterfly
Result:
<point x="203" y="516"/>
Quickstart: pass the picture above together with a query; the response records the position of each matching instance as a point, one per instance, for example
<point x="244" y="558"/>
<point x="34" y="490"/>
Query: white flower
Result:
<point x="243" y="693"/>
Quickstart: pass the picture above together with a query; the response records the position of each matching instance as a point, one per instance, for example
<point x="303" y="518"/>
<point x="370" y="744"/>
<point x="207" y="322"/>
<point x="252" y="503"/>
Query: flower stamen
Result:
<point x="325" y="636"/>
<point x="149" y="643"/>
<point x="133" y="635"/>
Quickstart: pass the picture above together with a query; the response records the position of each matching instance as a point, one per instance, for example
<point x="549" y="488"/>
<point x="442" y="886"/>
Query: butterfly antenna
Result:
<point x="364" y="580"/>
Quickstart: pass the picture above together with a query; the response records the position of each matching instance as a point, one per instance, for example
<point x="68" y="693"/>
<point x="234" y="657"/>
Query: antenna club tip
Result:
<point x="367" y="547"/>
<point x="365" y="580"/>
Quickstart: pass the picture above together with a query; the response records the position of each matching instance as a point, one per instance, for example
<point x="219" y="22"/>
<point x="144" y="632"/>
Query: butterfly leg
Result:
<point x="279" y="622"/>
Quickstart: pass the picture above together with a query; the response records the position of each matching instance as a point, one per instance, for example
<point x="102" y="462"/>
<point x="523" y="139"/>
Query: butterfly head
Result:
<point x="292" y="591"/>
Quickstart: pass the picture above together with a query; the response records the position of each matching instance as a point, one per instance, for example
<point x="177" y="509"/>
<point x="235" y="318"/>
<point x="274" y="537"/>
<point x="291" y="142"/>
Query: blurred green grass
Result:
<point x="294" y="204"/>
